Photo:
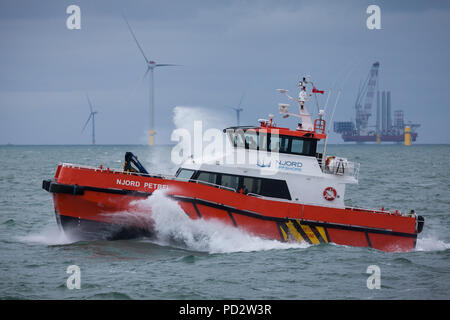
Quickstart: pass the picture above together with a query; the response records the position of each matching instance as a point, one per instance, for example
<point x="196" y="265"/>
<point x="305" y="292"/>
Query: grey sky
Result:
<point x="226" y="48"/>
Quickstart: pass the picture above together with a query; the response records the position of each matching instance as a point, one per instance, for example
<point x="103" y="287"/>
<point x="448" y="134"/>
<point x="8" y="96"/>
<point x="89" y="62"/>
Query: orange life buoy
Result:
<point x="329" y="193"/>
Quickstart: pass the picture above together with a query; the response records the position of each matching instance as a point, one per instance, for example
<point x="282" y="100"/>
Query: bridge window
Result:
<point x="310" y="147"/>
<point x="305" y="147"/>
<point x="260" y="186"/>
<point x="274" y="188"/>
<point x="297" y="146"/>
<point x="259" y="140"/>
<point x="251" y="185"/>
<point x="230" y="181"/>
<point x="208" y="177"/>
<point x="279" y="144"/>
<point x="185" y="174"/>
<point x="251" y="139"/>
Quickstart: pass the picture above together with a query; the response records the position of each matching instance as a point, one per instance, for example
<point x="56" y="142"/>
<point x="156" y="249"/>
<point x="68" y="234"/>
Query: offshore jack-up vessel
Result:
<point x="291" y="192"/>
<point x="385" y="129"/>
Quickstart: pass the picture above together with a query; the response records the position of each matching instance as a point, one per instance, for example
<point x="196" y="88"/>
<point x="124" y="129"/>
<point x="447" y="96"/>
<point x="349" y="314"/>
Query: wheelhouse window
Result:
<point x="258" y="186"/>
<point x="185" y="174"/>
<point x="208" y="177"/>
<point x="251" y="185"/>
<point x="297" y="146"/>
<point x="258" y="140"/>
<point x="251" y="139"/>
<point x="274" y="188"/>
<point x="230" y="181"/>
<point x="279" y="144"/>
<point x="310" y="147"/>
<point x="305" y="147"/>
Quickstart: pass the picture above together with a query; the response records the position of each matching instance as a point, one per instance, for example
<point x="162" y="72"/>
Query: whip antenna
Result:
<point x="328" y="131"/>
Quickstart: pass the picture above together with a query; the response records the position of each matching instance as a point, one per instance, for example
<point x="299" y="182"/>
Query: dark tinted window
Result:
<point x="305" y="147"/>
<point x="251" y="185"/>
<point x="266" y="187"/>
<point x="251" y="139"/>
<point x="310" y="147"/>
<point x="185" y="174"/>
<point x="279" y="143"/>
<point x="230" y="181"/>
<point x="262" y="140"/>
<point x="260" y="186"/>
<point x="208" y="177"/>
<point x="297" y="146"/>
<point x="274" y="188"/>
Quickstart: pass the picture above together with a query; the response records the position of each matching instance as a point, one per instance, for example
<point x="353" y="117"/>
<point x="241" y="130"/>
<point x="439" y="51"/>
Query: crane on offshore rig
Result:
<point x="366" y="94"/>
<point x="384" y="130"/>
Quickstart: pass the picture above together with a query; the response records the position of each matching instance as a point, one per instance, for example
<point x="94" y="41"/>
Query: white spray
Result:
<point x="174" y="228"/>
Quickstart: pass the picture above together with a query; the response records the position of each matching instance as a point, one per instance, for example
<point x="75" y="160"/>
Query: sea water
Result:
<point x="207" y="260"/>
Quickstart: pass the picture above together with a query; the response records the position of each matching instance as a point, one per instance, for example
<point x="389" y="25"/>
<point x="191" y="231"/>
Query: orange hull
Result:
<point x="87" y="200"/>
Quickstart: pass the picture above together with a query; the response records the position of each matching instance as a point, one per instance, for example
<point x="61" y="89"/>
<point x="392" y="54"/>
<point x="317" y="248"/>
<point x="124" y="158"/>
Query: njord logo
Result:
<point x="282" y="164"/>
<point x="289" y="165"/>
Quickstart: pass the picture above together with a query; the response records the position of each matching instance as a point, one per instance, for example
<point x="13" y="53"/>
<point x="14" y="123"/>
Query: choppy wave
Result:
<point x="50" y="235"/>
<point x="431" y="244"/>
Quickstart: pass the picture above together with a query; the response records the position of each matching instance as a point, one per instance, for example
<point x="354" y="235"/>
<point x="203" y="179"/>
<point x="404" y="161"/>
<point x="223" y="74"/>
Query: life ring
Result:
<point x="329" y="193"/>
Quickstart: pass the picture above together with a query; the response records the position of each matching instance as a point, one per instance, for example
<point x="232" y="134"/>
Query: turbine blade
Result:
<point x="240" y="101"/>
<point x="136" y="86"/>
<point x="89" y="101"/>
<point x="138" y="83"/>
<point x="166" y="65"/>
<point x="135" y="39"/>
<point x="85" y="125"/>
<point x="146" y="73"/>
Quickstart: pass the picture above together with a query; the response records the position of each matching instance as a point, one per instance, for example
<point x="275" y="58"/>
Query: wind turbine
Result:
<point x="151" y="65"/>
<point x="238" y="110"/>
<point x="91" y="116"/>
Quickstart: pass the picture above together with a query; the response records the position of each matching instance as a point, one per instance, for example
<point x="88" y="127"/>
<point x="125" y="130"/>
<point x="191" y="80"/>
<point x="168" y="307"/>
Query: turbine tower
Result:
<point x="91" y="116"/>
<point x="238" y="110"/>
<point x="151" y="65"/>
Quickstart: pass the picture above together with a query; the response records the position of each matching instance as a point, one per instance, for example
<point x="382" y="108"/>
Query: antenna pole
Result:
<point x="326" y="103"/>
<point x="328" y="131"/>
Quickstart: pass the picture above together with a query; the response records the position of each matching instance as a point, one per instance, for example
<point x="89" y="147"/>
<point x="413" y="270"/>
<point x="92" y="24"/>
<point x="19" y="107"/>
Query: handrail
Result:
<point x="267" y="197"/>
<point x="351" y="169"/>
<point x="206" y="183"/>
<point x="380" y="211"/>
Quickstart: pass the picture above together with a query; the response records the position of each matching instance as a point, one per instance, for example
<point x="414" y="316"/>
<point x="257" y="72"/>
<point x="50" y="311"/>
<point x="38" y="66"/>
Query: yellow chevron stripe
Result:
<point x="283" y="233"/>
<point x="294" y="231"/>
<point x="310" y="234"/>
<point x="322" y="233"/>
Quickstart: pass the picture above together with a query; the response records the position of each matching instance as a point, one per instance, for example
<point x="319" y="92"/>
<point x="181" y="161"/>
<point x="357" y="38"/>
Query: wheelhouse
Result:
<point x="279" y="140"/>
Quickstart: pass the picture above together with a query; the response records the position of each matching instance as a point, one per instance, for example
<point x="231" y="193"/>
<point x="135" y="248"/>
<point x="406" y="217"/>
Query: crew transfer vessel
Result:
<point x="273" y="183"/>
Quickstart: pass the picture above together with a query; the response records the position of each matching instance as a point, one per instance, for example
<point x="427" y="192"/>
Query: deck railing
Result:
<point x="344" y="168"/>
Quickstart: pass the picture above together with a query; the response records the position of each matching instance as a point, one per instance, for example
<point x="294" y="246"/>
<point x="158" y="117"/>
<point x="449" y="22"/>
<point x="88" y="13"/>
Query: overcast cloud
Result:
<point x="225" y="48"/>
